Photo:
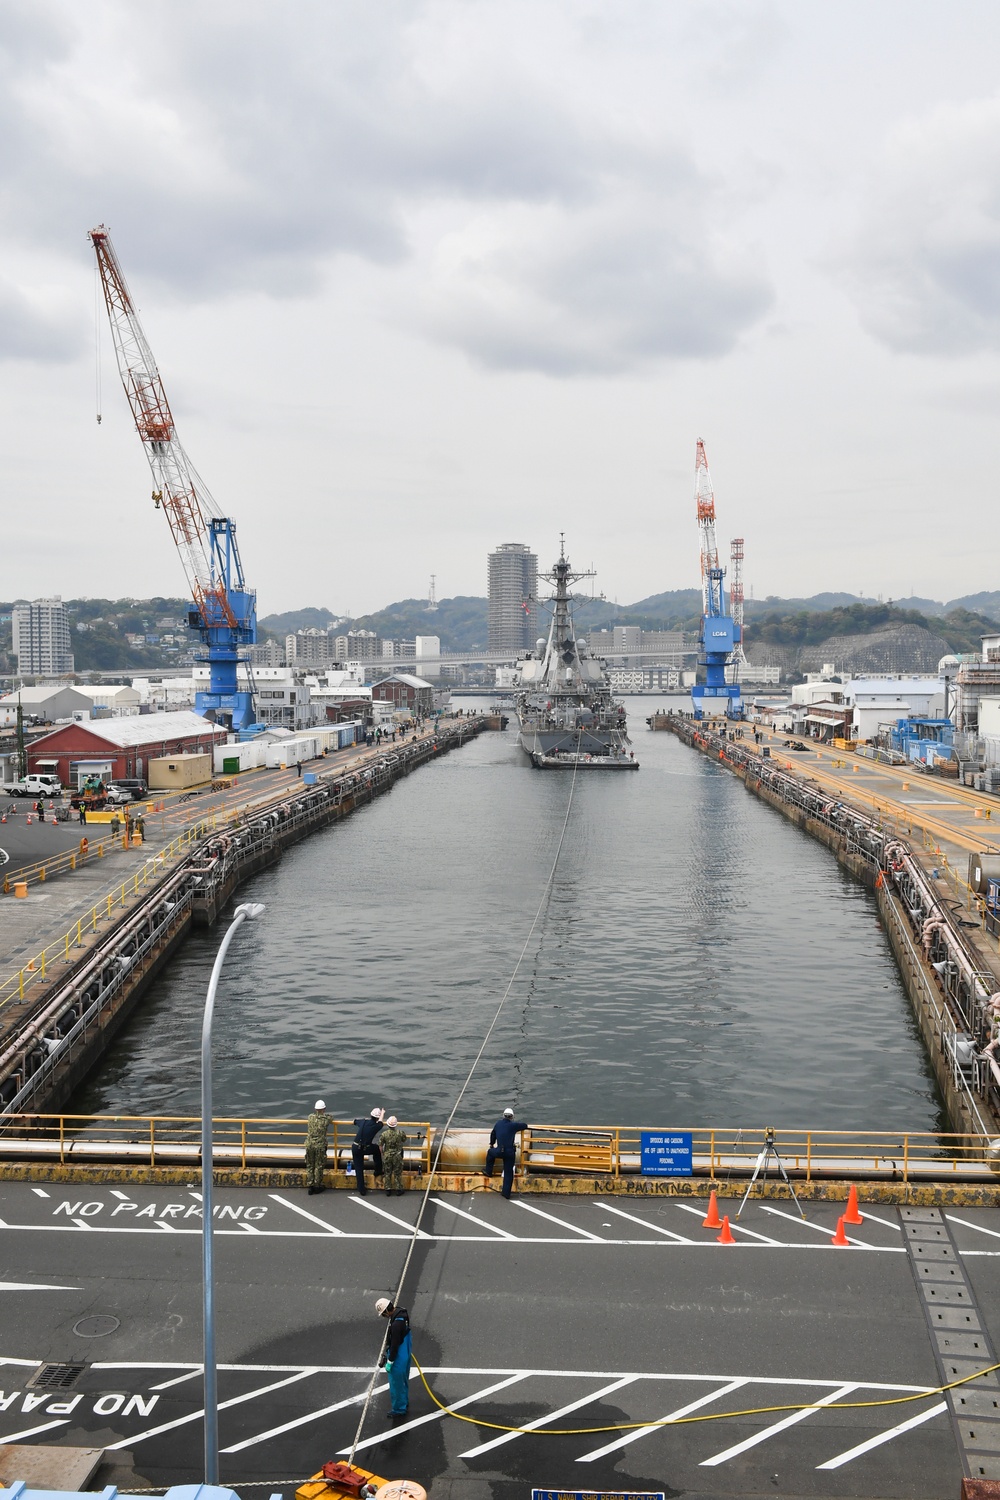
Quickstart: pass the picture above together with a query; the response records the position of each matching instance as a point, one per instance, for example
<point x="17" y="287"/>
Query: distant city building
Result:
<point x="428" y="645"/>
<point x="356" y="645"/>
<point x="513" y="581"/>
<point x="310" y="648"/>
<point x="405" y="691"/>
<point x="41" y="638"/>
<point x="267" y="654"/>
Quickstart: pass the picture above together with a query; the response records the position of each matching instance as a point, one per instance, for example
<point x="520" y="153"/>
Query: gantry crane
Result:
<point x="719" y="635"/>
<point x="224" y="611"/>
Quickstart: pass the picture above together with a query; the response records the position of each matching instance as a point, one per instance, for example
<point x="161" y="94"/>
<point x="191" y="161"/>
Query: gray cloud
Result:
<point x="33" y="328"/>
<point x="230" y="150"/>
<point x="925" y="267"/>
<point x="605" y="287"/>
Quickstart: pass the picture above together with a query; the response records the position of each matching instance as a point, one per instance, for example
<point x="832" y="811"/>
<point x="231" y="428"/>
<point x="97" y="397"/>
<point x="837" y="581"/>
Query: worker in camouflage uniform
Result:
<point x="316" y="1128"/>
<point x="392" y="1142"/>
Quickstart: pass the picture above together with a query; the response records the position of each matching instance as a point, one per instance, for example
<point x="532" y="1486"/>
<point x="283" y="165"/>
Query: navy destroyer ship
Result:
<point x="562" y="694"/>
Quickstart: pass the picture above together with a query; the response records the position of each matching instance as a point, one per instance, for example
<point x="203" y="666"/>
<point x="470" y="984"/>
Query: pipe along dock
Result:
<point x="951" y="974"/>
<point x="52" y="1034"/>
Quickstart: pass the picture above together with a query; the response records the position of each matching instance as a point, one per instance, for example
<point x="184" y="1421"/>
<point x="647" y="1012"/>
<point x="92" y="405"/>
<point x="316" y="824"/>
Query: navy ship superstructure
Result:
<point x="565" y="710"/>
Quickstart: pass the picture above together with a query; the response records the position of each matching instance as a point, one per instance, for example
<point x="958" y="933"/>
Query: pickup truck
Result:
<point x="38" y="784"/>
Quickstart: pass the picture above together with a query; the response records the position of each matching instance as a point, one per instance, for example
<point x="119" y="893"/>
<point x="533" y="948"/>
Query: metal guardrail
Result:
<point x="719" y="1154"/>
<point x="61" y="949"/>
<point x="68" y="859"/>
<point x="163" y="1140"/>
<point x="547" y="1150"/>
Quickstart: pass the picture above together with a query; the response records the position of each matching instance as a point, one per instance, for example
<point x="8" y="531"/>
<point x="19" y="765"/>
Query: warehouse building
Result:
<point x="117" y="748"/>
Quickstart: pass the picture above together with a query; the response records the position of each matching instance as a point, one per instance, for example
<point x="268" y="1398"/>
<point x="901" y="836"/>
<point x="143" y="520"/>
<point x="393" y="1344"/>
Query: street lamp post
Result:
<point x="251" y="910"/>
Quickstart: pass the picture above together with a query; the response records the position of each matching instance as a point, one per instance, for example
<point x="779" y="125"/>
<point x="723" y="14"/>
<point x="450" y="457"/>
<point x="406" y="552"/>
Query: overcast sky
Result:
<point x="426" y="277"/>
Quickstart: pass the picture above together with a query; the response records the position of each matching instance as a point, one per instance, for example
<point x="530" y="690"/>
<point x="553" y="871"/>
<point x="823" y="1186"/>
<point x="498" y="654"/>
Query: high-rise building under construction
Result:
<point x="513" y="575"/>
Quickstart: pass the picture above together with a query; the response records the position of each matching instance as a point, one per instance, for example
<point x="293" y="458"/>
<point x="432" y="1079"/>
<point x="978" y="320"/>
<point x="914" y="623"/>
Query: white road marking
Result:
<point x="552" y="1416"/>
<point x="17" y="1437"/>
<point x="819" y="1228"/>
<point x="883" y="1437"/>
<point x="672" y="1416"/>
<point x="678" y="1238"/>
<point x="196" y="1416"/>
<point x="117" y="1193"/>
<point x="32" y="1286"/>
<point x="81" y="1224"/>
<point x="762" y="1437"/>
<point x="170" y="1228"/>
<point x="165" y="1385"/>
<point x="436" y="1416"/>
<point x="277" y="1198"/>
<point x="764" y="1238"/>
<point x="249" y="1229"/>
<point x="563" y="1223"/>
<point x="362" y="1201"/>
<point x="40" y="1192"/>
<point x="310" y="1416"/>
<point x="503" y="1233"/>
<point x="967" y="1223"/>
<point x="876" y="1220"/>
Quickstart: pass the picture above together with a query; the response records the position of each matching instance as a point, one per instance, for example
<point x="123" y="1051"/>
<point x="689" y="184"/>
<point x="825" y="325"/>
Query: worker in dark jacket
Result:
<point x="502" y="1144"/>
<point x="397" y="1355"/>
<point x="364" y="1145"/>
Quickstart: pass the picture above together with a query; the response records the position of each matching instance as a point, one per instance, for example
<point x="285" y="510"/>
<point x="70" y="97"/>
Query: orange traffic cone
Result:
<point x="711" y="1219"/>
<point x="840" y="1238"/>
<point x="853" y="1214"/>
<point x="726" y="1237"/>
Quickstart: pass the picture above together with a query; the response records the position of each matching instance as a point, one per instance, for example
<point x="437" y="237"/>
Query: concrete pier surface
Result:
<point x="555" y="1312"/>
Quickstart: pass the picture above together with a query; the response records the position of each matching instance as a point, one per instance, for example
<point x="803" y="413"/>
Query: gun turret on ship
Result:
<point x="562" y="694"/>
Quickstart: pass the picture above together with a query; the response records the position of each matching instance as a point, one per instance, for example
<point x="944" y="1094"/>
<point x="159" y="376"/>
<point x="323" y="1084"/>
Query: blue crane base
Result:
<point x="235" y="710"/>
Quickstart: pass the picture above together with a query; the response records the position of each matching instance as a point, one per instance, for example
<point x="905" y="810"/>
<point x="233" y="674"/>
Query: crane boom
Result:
<point x="225" y="610"/>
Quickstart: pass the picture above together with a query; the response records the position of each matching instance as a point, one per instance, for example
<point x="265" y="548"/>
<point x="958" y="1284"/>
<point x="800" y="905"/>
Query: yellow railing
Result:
<point x="556" y="1150"/>
<point x="60" y="950"/>
<point x="68" y="859"/>
<point x="718" y="1154"/>
<point x="169" y="1140"/>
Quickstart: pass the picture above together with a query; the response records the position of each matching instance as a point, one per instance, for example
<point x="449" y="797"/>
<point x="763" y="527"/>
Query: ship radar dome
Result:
<point x="946" y="664"/>
<point x="540" y="643"/>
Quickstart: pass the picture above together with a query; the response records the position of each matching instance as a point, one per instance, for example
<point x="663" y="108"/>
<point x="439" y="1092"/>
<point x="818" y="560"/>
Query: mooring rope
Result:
<point x="540" y="909"/>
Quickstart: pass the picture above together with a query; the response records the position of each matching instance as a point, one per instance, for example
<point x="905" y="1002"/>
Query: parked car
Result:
<point x="117" y="796"/>
<point x="133" y="785"/>
<point x="37" y="784"/>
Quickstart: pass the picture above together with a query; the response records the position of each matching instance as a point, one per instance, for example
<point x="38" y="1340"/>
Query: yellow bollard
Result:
<point x="41" y="873"/>
<point x="20" y="888"/>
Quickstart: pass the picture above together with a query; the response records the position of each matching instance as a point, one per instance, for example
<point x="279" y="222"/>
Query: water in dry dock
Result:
<point x="701" y="962"/>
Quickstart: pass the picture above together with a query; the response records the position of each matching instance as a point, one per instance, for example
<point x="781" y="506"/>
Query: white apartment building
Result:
<point x="42" y="641"/>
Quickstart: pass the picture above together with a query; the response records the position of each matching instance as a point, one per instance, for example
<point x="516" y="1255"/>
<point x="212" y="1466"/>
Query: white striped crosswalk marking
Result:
<point x="549" y="1418"/>
<point x="373" y="1208"/>
<point x="762" y="1437"/>
<point x="883" y="1437"/>
<point x="436" y="1416"/>
<point x="819" y="1228"/>
<point x="304" y="1212"/>
<point x="563" y="1223"/>
<point x="677" y="1238"/>
<point x="764" y="1238"/>
<point x="672" y="1416"/>
<point x="195" y="1416"/>
<point x="472" y="1218"/>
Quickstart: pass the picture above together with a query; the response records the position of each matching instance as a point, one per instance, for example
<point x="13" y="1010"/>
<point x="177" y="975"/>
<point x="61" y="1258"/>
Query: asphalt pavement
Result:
<point x="570" y="1313"/>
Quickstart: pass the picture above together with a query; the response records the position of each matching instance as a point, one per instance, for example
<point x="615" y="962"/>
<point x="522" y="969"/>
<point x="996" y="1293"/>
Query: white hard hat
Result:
<point x="508" y="1114"/>
<point x="382" y="1306"/>
<point x="320" y="1104"/>
<point x="376" y="1112"/>
<point x="391" y="1120"/>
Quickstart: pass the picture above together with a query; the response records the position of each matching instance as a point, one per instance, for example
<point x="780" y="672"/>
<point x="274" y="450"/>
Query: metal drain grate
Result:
<point x="56" y="1377"/>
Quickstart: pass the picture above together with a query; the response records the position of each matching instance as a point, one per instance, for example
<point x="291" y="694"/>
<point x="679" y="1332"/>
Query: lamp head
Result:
<point x="250" y="909"/>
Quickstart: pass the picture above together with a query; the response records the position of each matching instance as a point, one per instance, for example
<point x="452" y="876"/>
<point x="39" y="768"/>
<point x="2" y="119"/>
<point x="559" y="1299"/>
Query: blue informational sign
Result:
<point x="667" y="1153"/>
<point x="598" y="1495"/>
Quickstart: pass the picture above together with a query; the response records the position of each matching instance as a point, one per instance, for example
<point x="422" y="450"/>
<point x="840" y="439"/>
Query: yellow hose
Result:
<point x="716" y="1416"/>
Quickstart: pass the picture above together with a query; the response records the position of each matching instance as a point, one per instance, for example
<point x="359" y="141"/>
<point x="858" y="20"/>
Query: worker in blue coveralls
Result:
<point x="397" y="1355"/>
<point x="502" y="1144"/>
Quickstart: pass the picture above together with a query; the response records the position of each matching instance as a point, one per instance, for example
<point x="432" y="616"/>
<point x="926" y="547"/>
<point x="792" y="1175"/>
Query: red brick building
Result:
<point x="118" y="748"/>
<point x="404" y="690"/>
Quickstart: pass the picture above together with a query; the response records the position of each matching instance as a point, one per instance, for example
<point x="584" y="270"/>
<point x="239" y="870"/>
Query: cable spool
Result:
<point x="401" y="1489"/>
